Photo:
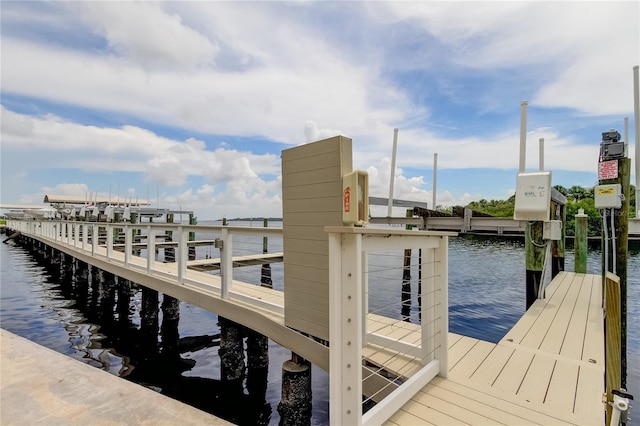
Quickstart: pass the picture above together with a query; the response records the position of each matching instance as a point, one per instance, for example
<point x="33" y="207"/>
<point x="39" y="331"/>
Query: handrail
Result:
<point x="348" y="313"/>
<point x="97" y="240"/>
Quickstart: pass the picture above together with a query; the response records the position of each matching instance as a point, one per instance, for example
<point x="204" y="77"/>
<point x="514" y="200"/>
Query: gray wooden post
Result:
<point x="580" y="242"/>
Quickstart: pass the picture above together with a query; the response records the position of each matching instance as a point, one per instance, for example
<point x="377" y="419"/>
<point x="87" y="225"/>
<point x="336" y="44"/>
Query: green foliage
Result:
<point x="578" y="197"/>
<point x="497" y="208"/>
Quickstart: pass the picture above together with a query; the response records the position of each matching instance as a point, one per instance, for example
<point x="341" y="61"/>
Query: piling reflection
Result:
<point x="99" y="312"/>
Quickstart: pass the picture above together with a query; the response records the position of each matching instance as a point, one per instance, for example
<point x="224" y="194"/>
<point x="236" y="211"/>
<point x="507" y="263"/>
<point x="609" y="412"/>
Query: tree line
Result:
<point x="578" y="197"/>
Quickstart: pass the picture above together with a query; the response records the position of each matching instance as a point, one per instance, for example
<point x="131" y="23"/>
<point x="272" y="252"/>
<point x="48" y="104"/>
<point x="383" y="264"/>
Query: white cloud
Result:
<point x="130" y="148"/>
<point x="314" y="133"/>
<point x="293" y="72"/>
<point x="144" y="33"/>
<point x="75" y="189"/>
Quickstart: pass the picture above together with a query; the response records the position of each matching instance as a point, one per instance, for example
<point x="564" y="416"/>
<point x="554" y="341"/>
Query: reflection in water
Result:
<point x="97" y="310"/>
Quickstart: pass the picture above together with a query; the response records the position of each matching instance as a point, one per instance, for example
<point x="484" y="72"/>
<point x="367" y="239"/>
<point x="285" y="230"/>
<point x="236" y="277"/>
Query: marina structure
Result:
<point x="406" y="366"/>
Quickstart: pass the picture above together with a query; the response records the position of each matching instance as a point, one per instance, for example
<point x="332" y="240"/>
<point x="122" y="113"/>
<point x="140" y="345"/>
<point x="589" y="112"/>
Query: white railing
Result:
<point x="96" y="239"/>
<point x="354" y="345"/>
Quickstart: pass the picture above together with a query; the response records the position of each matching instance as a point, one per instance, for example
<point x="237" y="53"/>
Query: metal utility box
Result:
<point x="552" y="230"/>
<point x="608" y="196"/>
<point x="355" y="198"/>
<point x="533" y="196"/>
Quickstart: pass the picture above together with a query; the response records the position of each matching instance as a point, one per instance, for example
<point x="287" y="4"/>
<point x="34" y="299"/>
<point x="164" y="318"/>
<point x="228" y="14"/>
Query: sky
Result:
<point x="189" y="104"/>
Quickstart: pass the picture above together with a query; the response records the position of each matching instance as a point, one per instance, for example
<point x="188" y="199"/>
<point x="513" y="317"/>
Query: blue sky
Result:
<point x="189" y="104"/>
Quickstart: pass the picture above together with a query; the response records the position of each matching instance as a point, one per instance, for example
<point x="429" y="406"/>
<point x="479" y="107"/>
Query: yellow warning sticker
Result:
<point x="606" y="190"/>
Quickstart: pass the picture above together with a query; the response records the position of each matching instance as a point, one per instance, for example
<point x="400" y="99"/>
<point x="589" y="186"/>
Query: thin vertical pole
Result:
<point x="636" y="126"/>
<point x="541" y="153"/>
<point x="523" y="135"/>
<point x="393" y="169"/>
<point x="435" y="180"/>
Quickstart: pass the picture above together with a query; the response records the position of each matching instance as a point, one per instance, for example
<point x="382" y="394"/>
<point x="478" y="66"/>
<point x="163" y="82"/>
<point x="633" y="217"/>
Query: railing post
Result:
<point x="109" y="241"/>
<point x="151" y="249"/>
<point x="427" y="302"/>
<point x="442" y="305"/>
<point x="226" y="263"/>
<point x="127" y="245"/>
<point x="85" y="236"/>
<point x="94" y="239"/>
<point x="182" y="256"/>
<point x="345" y="305"/>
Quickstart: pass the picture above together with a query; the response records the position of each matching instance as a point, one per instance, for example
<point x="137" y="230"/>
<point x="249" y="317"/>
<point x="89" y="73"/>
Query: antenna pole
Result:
<point x="393" y="169"/>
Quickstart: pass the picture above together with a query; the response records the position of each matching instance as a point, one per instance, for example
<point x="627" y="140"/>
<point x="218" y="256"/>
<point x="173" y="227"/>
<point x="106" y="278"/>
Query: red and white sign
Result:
<point x="608" y="169"/>
<point x="346" y="200"/>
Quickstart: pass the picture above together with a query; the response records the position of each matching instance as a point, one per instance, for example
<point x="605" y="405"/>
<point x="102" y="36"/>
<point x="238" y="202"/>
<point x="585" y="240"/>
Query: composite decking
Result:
<point x="548" y="369"/>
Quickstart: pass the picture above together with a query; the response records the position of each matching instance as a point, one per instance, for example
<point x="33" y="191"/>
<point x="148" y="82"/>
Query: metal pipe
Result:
<point x="435" y="179"/>
<point x="541" y="153"/>
<point x="393" y="169"/>
<point x="606" y="241"/>
<point x="636" y="126"/>
<point x="614" y="254"/>
<point x="523" y="135"/>
<point x="626" y="130"/>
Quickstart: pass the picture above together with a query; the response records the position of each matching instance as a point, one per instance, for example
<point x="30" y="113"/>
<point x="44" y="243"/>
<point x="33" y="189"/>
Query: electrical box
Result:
<point x="533" y="196"/>
<point x="608" y="196"/>
<point x="552" y="230"/>
<point x="355" y="198"/>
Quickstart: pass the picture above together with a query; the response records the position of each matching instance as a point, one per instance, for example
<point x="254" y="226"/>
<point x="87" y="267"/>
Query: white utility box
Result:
<point x="533" y="196"/>
<point x="608" y="196"/>
<point x="552" y="230"/>
<point x="355" y="198"/>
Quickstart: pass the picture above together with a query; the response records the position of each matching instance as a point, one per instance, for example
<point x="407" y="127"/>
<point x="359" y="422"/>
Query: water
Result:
<point x="486" y="297"/>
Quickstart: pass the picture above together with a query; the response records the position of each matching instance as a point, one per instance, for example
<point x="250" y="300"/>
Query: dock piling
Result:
<point x="295" y="404"/>
<point x="580" y="242"/>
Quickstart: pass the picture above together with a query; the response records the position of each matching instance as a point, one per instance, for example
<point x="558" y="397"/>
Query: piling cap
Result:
<point x="581" y="213"/>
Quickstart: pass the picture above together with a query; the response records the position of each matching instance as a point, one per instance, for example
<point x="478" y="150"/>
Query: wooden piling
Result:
<point x="169" y="252"/>
<point x="149" y="323"/>
<point x="295" y="404"/>
<point x="558" y="246"/>
<point x="192" y="237"/>
<point x="613" y="343"/>
<point x="231" y="351"/>
<point x="535" y="254"/>
<point x="622" y="251"/>
<point x="265" y="271"/>
<point x="169" y="328"/>
<point x="580" y="242"/>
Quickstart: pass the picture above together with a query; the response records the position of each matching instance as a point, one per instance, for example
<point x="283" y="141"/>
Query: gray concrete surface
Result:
<point x="39" y="386"/>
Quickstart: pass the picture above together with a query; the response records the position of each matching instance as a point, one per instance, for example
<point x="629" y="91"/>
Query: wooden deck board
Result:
<point x="524" y="325"/>
<point x="553" y="339"/>
<point x="472" y="359"/>
<point x="538" y="374"/>
<point x="573" y="343"/>
<point x="490" y="369"/>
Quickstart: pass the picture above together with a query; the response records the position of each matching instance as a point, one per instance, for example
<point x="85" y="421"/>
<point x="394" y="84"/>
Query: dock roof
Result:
<point x="75" y="199"/>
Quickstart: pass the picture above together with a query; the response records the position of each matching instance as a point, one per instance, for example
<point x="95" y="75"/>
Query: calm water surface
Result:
<point x="486" y="298"/>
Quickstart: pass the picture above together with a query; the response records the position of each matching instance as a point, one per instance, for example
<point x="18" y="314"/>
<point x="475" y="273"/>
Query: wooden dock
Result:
<point x="548" y="369"/>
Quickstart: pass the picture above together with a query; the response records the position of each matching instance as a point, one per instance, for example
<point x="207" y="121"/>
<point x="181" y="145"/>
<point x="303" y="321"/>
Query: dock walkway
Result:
<point x="43" y="387"/>
<point x="548" y="369"/>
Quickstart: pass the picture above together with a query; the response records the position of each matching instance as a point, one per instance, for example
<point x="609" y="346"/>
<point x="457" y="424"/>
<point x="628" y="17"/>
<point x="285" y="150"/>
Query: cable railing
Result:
<point x="385" y="351"/>
<point x="383" y="345"/>
<point x="134" y="246"/>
